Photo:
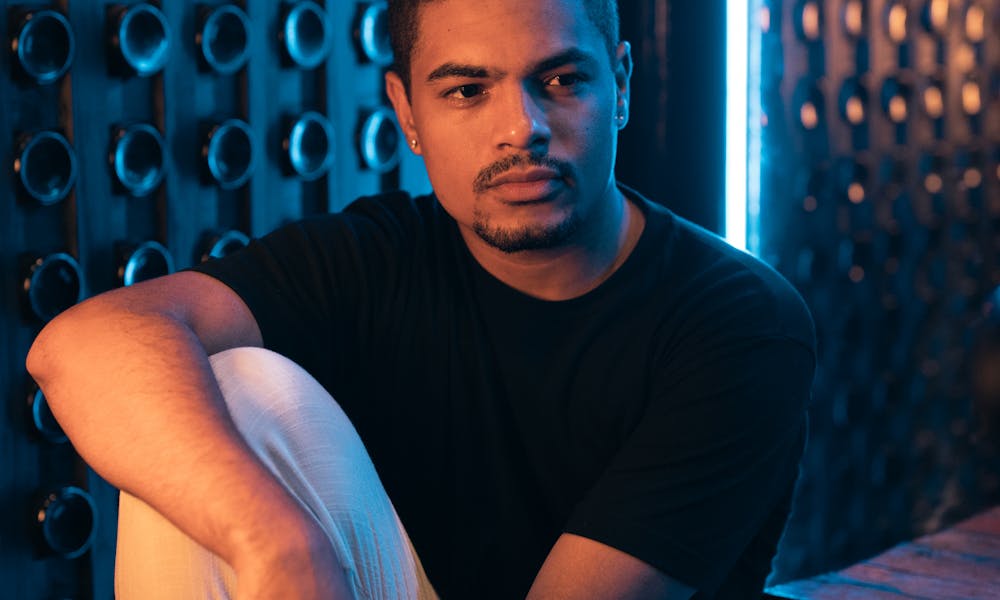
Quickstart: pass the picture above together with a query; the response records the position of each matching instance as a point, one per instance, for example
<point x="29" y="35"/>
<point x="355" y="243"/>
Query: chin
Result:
<point x="526" y="238"/>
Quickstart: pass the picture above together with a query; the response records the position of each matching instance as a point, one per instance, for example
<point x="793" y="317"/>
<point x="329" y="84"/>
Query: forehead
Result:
<point x="504" y="33"/>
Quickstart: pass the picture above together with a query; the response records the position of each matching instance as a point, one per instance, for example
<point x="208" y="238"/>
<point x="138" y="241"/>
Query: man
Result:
<point x="567" y="391"/>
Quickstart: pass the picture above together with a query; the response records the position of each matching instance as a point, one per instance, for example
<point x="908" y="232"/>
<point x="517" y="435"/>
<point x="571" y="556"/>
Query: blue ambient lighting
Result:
<point x="741" y="141"/>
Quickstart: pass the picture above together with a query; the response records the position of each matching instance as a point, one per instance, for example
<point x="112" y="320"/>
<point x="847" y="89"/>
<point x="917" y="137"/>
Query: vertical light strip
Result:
<point x="756" y="119"/>
<point x="737" y="111"/>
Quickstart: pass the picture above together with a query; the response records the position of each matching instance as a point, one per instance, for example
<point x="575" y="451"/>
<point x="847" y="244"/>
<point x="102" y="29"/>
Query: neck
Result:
<point x="601" y="246"/>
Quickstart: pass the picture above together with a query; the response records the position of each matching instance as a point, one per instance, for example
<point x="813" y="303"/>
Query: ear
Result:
<point x="404" y="113"/>
<point x="623" y="75"/>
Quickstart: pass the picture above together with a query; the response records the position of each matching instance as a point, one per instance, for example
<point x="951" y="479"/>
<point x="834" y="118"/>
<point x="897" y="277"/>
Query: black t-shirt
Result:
<point x="662" y="413"/>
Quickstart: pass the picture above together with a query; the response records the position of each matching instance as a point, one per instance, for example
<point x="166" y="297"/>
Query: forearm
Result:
<point x="134" y="392"/>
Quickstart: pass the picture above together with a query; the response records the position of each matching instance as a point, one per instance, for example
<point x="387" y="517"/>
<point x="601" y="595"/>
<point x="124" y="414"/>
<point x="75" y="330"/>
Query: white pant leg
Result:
<point x="305" y="438"/>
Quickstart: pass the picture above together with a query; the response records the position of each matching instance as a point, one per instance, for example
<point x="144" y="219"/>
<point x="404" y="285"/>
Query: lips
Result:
<point x="525" y="186"/>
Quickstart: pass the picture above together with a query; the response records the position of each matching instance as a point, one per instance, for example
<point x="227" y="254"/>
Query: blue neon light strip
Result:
<point x="737" y="112"/>
<point x="755" y="118"/>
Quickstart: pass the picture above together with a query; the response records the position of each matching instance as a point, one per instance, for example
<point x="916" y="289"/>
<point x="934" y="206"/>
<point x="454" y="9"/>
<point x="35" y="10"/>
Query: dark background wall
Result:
<point x="885" y="219"/>
<point x="880" y="200"/>
<point x="674" y="150"/>
<point x="111" y="115"/>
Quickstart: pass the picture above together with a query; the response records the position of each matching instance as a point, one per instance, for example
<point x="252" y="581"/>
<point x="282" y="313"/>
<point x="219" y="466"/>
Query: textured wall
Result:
<point x="880" y="200"/>
<point x="158" y="127"/>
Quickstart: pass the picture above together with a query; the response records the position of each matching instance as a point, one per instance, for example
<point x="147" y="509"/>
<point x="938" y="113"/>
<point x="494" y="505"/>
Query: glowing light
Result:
<point x="810" y="21"/>
<point x="972" y="178"/>
<point x="934" y="102"/>
<point x="856" y="193"/>
<point x="808" y="115"/>
<point x="972" y="101"/>
<point x="857" y="274"/>
<point x="854" y="18"/>
<point x="738" y="122"/>
<point x="897" y="109"/>
<point x="939" y="14"/>
<point x="896" y="22"/>
<point x="809" y="204"/>
<point x="975" y="23"/>
<point x="965" y="58"/>
<point x="855" y="110"/>
<point x="933" y="183"/>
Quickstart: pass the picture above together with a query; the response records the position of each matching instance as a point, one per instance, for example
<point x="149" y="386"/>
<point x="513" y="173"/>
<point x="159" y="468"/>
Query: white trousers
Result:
<point x="304" y="437"/>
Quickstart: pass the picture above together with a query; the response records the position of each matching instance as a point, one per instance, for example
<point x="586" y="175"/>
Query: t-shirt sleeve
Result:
<point x="715" y="453"/>
<point x="317" y="287"/>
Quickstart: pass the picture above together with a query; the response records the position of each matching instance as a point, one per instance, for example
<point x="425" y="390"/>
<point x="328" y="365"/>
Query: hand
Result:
<point x="306" y="574"/>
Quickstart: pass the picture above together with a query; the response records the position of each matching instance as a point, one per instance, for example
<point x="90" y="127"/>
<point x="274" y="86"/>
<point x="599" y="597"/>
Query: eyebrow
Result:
<point x="467" y="71"/>
<point x="450" y="69"/>
<point x="573" y="55"/>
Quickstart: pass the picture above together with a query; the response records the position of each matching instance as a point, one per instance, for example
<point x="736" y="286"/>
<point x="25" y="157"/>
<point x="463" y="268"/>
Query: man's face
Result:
<point x="514" y="105"/>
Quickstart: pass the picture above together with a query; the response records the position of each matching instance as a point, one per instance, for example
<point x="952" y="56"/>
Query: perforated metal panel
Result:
<point x="880" y="201"/>
<point x="137" y="139"/>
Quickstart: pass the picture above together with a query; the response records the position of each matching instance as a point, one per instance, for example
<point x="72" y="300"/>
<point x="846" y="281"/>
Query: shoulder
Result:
<point x="722" y="289"/>
<point x="393" y="205"/>
<point x="388" y="210"/>
<point x="390" y="219"/>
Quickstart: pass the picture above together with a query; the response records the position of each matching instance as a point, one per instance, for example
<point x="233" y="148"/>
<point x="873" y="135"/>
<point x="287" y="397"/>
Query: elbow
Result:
<point x="41" y="360"/>
<point x="56" y="344"/>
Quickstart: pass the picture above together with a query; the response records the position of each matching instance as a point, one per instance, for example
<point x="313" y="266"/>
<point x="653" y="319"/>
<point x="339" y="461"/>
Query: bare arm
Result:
<point x="127" y="376"/>
<point x="578" y="568"/>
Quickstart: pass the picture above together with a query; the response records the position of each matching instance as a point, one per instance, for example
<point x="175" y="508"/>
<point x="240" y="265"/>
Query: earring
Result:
<point x="413" y="143"/>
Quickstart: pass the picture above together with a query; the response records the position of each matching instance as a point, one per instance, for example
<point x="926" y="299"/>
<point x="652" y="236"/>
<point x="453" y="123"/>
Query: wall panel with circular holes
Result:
<point x="138" y="138"/>
<point x="881" y="202"/>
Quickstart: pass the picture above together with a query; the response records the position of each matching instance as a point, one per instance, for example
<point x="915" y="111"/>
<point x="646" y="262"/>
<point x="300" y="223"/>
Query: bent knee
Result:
<point x="264" y="384"/>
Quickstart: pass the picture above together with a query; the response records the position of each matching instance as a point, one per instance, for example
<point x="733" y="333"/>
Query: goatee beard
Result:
<point x="526" y="238"/>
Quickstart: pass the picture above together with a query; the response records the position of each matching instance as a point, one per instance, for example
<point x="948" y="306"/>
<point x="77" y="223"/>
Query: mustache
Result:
<point x="485" y="178"/>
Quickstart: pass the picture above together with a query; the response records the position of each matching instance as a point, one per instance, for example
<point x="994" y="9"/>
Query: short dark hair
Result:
<point x="403" y="30"/>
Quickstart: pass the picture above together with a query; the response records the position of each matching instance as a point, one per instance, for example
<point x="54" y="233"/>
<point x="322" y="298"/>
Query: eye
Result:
<point x="564" y="80"/>
<point x="465" y="92"/>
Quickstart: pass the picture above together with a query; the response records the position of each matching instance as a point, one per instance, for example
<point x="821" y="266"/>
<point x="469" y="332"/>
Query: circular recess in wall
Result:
<point x="896" y="21"/>
<point x="379" y="141"/>
<point x="853" y="18"/>
<point x="218" y="245"/>
<point x="895" y="100"/>
<point x="67" y="518"/>
<point x="44" y="45"/>
<point x="932" y="98"/>
<point x="137" y="158"/>
<point x="809" y="20"/>
<point x="373" y="33"/>
<point x="972" y="96"/>
<point x="934" y="16"/>
<point x="305" y="34"/>
<point x="810" y="104"/>
<point x="229" y="153"/>
<point x="53" y="284"/>
<point x="146" y="261"/>
<point x="224" y="39"/>
<point x="43" y="421"/>
<point x="46" y="166"/>
<point x="309" y="145"/>
<point x="853" y="101"/>
<point x="142" y="38"/>
<point x="975" y="22"/>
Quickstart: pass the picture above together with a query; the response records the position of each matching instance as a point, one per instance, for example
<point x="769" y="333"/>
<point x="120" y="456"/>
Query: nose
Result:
<point x="522" y="122"/>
